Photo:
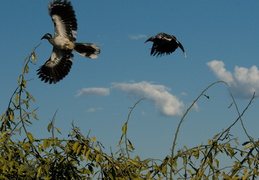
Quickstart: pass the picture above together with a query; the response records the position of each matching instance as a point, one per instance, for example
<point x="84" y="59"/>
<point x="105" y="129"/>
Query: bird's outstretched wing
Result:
<point x="57" y="67"/>
<point x="64" y="19"/>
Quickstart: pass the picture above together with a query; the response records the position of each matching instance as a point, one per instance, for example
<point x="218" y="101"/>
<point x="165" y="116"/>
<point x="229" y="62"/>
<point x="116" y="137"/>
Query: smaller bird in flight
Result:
<point x="61" y="59"/>
<point x="164" y="44"/>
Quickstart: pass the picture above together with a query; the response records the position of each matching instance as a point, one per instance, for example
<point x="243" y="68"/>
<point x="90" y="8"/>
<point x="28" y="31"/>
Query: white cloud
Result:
<point x="137" y="36"/>
<point x="195" y="107"/>
<point x="143" y="113"/>
<point x="93" y="92"/>
<point x="243" y="82"/>
<point x="166" y="103"/>
<point x="218" y="68"/>
<point x="92" y="110"/>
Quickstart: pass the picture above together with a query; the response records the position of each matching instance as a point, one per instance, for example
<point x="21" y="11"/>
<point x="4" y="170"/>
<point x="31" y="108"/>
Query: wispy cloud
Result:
<point x="137" y="36"/>
<point x="93" y="92"/>
<point x="92" y="110"/>
<point x="166" y="103"/>
<point x="243" y="82"/>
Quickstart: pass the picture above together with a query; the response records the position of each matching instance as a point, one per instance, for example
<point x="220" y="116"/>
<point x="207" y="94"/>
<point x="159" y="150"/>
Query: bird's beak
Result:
<point x="150" y="39"/>
<point x="44" y="37"/>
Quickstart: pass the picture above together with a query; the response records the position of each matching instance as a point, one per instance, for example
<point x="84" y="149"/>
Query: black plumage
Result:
<point x="164" y="44"/>
<point x="61" y="59"/>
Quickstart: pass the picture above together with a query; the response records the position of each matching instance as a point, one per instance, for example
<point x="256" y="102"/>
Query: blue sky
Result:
<point x="221" y="39"/>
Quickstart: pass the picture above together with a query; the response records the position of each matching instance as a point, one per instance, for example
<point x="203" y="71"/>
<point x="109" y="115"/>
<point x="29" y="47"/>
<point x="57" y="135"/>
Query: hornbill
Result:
<point x="61" y="59"/>
<point x="164" y="44"/>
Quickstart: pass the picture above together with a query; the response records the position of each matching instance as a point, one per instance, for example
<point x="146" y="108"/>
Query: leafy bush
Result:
<point x="80" y="157"/>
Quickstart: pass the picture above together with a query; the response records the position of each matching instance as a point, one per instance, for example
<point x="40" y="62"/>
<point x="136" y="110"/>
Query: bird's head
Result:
<point x="150" y="39"/>
<point x="47" y="36"/>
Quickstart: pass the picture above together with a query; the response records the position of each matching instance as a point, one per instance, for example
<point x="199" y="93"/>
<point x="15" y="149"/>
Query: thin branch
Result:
<point x="181" y="121"/>
<point x="126" y="124"/>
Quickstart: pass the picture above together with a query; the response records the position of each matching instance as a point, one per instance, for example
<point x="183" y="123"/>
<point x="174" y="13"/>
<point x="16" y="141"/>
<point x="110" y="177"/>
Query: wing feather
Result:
<point x="64" y="19"/>
<point x="57" y="67"/>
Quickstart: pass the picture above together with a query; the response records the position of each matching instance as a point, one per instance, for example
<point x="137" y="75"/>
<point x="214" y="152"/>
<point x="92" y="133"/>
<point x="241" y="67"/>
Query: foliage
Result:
<point x="80" y="157"/>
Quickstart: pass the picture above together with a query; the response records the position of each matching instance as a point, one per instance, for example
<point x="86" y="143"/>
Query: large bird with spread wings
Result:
<point x="61" y="59"/>
<point x="164" y="44"/>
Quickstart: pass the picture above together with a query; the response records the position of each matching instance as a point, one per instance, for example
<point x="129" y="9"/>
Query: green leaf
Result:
<point x="95" y="148"/>
<point x="87" y="155"/>
<point x="46" y="143"/>
<point x="196" y="154"/>
<point x="25" y="59"/>
<point x="120" y="143"/>
<point x="33" y="56"/>
<point x="131" y="147"/>
<point x="24" y="82"/>
<point x="209" y="141"/>
<point x="26" y="103"/>
<point x="93" y="139"/>
<point x="134" y="162"/>
<point x="27" y="94"/>
<point x="30" y="137"/>
<point x="85" y="148"/>
<point x="26" y="69"/>
<point x="35" y="116"/>
<point x="75" y="146"/>
<point x="10" y="114"/>
<point x="124" y="128"/>
<point x="39" y="172"/>
<point x="50" y="126"/>
<point x="189" y="171"/>
<point x="19" y="80"/>
<point x="59" y="131"/>
<point x="16" y="98"/>
<point x="78" y="151"/>
<point x="4" y="133"/>
<point x="216" y="135"/>
<point x="248" y="146"/>
<point x="97" y="158"/>
<point x="32" y="98"/>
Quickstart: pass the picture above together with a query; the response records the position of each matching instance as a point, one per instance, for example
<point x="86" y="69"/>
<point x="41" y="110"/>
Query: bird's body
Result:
<point x="61" y="59"/>
<point x="164" y="44"/>
<point x="62" y="43"/>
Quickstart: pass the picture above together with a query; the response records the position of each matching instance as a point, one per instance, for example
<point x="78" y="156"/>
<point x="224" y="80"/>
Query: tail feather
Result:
<point x="89" y="50"/>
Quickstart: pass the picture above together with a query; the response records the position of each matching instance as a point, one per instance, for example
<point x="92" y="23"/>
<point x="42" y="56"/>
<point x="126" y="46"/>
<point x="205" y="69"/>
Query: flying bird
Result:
<point x="61" y="58"/>
<point x="164" y="44"/>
